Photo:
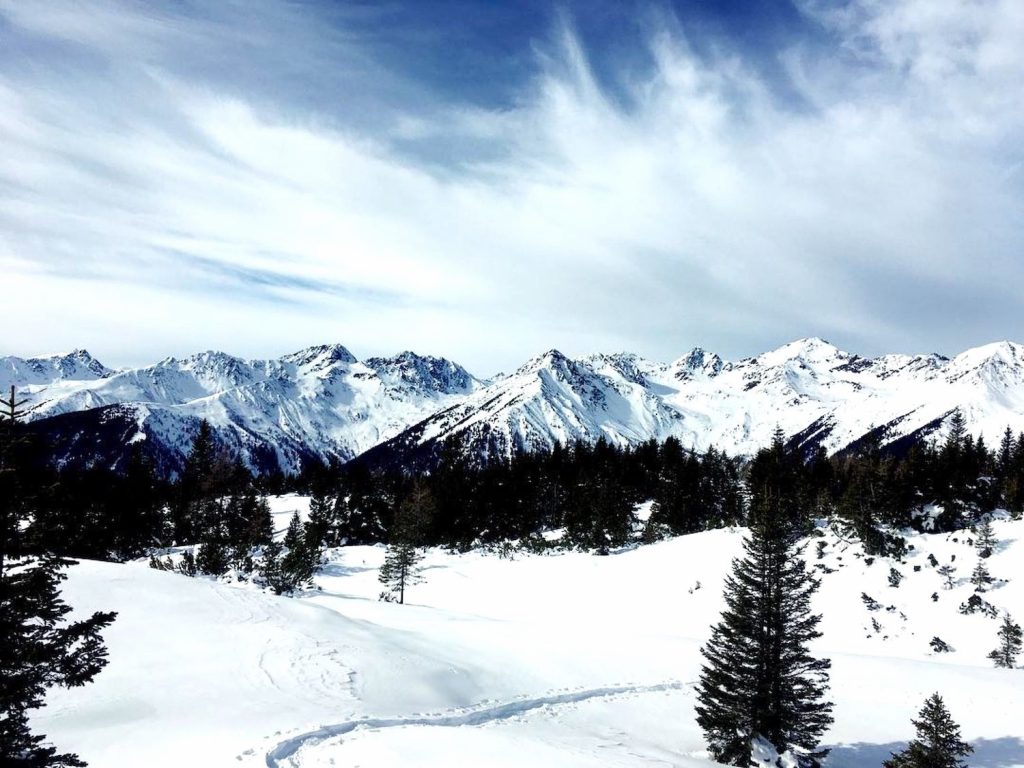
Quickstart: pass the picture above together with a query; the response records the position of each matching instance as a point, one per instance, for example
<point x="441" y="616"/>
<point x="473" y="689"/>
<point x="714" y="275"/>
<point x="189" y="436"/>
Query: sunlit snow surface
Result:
<point x="561" y="660"/>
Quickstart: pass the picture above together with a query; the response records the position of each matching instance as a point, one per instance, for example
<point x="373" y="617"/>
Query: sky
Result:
<point x="488" y="180"/>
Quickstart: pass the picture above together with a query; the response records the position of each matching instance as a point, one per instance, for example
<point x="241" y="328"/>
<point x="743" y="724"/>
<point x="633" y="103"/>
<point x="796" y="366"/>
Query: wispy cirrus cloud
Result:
<point x="186" y="176"/>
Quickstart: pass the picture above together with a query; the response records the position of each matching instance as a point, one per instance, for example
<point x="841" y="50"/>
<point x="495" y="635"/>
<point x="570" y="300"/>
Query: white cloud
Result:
<point x="149" y="209"/>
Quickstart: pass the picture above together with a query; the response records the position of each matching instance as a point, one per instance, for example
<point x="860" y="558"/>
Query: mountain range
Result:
<point x="323" y="403"/>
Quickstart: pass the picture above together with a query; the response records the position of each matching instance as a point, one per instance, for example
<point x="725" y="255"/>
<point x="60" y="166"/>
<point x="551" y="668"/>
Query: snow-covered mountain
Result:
<point x="816" y="393"/>
<point x="319" y="402"/>
<point x="323" y="402"/>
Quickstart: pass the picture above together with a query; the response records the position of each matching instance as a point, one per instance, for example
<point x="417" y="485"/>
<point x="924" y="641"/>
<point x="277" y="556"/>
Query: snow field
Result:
<point x="559" y="660"/>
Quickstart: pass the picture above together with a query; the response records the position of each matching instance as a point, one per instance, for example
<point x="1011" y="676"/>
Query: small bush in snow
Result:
<point x="946" y="572"/>
<point x="975" y="604"/>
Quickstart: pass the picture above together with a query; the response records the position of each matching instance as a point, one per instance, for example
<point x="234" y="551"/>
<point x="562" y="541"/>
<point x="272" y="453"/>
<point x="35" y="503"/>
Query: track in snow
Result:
<point x="478" y="716"/>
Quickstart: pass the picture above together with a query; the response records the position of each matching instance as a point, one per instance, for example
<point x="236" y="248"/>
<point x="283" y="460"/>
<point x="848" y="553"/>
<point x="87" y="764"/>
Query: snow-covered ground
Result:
<point x="559" y="660"/>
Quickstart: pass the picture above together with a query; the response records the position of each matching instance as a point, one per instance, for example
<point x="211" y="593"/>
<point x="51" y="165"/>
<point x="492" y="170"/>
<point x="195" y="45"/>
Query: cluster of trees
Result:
<point x="588" y="491"/>
<point x="760" y="690"/>
<point x="39" y="647"/>
<point x="960" y="478"/>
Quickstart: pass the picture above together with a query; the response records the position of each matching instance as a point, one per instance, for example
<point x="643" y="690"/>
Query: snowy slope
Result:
<point x="320" y="401"/>
<point x="75" y="366"/>
<point x="323" y="402"/>
<point x="562" y="660"/>
<point x="814" y="392"/>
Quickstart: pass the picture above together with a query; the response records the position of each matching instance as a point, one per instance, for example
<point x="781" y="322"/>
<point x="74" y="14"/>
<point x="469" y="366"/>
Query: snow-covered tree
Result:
<point x="937" y="744"/>
<point x="759" y="683"/>
<point x="1010" y="641"/>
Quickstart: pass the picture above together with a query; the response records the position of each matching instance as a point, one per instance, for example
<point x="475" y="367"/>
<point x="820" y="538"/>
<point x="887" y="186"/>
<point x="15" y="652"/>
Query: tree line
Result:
<point x="588" y="492"/>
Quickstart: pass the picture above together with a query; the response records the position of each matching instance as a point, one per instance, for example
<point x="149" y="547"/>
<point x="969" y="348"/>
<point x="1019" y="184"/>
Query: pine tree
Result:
<point x="758" y="680"/>
<point x="213" y="558"/>
<point x="986" y="542"/>
<point x="980" y="577"/>
<point x="938" y="743"/>
<point x="946" y="572"/>
<point x="401" y="562"/>
<point x="1010" y="641"/>
<point x="270" y="572"/>
<point x="39" y="649"/>
<point x="321" y="525"/>
<point x="302" y="555"/>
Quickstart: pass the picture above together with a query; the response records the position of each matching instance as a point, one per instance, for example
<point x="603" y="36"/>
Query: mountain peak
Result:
<point x="1008" y="351"/>
<point x="550" y="359"/>
<point x="76" y="363"/>
<point x="699" y="360"/>
<point x="437" y="374"/>
<point x="323" y="354"/>
<point x="811" y="350"/>
<point x="994" y="358"/>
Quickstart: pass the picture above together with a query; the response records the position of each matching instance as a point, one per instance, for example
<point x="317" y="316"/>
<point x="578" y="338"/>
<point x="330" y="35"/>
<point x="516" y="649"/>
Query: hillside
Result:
<point x="560" y="660"/>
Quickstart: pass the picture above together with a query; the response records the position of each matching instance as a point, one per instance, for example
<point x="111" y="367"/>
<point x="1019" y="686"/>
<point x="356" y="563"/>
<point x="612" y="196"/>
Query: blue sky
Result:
<point x="487" y="180"/>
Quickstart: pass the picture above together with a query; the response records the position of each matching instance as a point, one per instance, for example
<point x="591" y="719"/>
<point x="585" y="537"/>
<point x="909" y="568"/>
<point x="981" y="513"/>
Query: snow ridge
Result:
<point x="322" y="402"/>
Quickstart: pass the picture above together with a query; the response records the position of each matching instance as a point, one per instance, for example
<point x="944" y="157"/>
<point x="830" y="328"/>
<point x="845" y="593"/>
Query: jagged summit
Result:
<point x="322" y="402"/>
<point x="322" y="354"/>
<point x="698" y="360"/>
<point x="550" y="359"/>
<point x="77" y="365"/>
<point x="435" y="373"/>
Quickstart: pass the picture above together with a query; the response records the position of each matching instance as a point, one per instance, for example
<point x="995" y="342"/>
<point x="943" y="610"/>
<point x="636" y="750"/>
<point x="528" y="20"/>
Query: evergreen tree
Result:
<point x="946" y="572"/>
<point x="302" y="555"/>
<point x="249" y="525"/>
<point x="1010" y="640"/>
<point x="213" y="558"/>
<point x="39" y="649"/>
<point x="938" y="743"/>
<point x="270" y="572"/>
<point x="758" y="680"/>
<point x="321" y="529"/>
<point x="1006" y="449"/>
<point x="980" y="577"/>
<point x="986" y="542"/>
<point x="401" y="562"/>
